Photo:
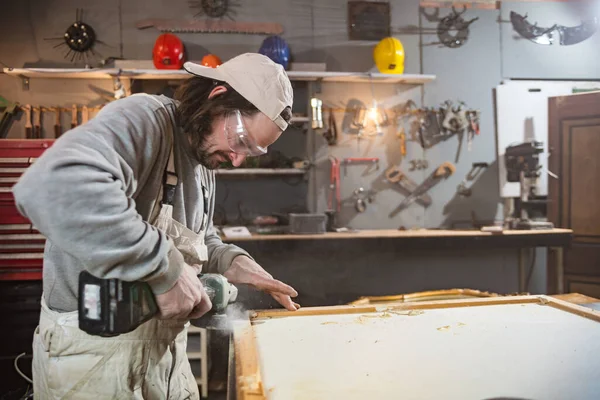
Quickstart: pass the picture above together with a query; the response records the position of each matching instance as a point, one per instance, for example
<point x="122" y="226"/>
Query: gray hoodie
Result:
<point x="92" y="192"/>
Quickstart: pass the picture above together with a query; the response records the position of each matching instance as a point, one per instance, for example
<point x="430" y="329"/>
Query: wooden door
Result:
<point x="574" y="145"/>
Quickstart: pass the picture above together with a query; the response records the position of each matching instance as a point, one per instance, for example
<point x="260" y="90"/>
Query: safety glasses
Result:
<point x="238" y="138"/>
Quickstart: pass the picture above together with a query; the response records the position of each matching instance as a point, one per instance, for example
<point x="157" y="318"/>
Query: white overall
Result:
<point x="147" y="363"/>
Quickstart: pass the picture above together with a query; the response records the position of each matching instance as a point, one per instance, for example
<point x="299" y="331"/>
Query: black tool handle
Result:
<point x="111" y="307"/>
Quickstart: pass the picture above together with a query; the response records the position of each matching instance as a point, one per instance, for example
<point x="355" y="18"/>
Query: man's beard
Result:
<point x="209" y="159"/>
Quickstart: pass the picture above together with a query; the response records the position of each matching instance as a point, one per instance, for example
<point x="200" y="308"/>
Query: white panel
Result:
<point x="517" y="351"/>
<point x="522" y="115"/>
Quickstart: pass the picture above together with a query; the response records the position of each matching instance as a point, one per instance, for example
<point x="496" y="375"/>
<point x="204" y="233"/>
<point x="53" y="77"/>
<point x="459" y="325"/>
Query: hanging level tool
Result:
<point x="442" y="172"/>
<point x="361" y="160"/>
<point x="220" y="26"/>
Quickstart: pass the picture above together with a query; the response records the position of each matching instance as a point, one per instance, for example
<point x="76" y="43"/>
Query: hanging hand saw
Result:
<point x="442" y="172"/>
<point x="407" y="186"/>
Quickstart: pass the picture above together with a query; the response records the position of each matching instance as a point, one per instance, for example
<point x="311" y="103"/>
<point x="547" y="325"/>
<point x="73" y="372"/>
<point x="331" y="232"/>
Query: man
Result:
<point x="130" y="195"/>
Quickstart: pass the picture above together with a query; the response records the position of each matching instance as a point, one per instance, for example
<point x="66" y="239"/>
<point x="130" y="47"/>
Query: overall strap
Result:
<point x="170" y="179"/>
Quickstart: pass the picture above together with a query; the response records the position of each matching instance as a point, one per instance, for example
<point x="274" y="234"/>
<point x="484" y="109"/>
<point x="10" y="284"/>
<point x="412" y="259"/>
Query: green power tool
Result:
<point x="111" y="307"/>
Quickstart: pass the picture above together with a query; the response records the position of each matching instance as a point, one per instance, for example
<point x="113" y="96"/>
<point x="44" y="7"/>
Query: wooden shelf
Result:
<point x="298" y="119"/>
<point x="108" y="73"/>
<point x="260" y="171"/>
<point x="360" y="77"/>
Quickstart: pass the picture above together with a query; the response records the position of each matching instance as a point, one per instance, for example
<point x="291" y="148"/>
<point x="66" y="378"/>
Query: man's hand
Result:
<point x="244" y="270"/>
<point x="186" y="300"/>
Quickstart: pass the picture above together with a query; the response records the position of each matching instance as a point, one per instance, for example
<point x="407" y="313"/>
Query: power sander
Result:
<point x="111" y="307"/>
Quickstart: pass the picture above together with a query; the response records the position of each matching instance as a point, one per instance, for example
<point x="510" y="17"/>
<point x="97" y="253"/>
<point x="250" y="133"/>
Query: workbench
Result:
<point x="354" y="349"/>
<point x="429" y="239"/>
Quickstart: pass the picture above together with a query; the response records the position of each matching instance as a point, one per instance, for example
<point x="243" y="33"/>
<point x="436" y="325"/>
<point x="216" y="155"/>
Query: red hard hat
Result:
<point x="168" y="52"/>
<point x="210" y="60"/>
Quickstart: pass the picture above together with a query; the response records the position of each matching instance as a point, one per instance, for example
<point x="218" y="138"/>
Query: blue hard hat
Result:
<point x="276" y="49"/>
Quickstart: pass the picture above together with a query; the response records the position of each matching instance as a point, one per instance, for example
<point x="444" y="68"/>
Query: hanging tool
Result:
<point x="213" y="26"/>
<point x="335" y="184"/>
<point x="362" y="196"/>
<point x="444" y="171"/>
<point x="331" y="134"/>
<point x="85" y="115"/>
<point x="111" y="307"/>
<point x="57" y="125"/>
<point x="8" y="111"/>
<point x="74" y="116"/>
<point x="359" y="160"/>
<point x="454" y="121"/>
<point x="402" y="137"/>
<point x="473" y="173"/>
<point x="473" y="120"/>
<point x="37" y="122"/>
<point x="565" y="35"/>
<point x="418" y="164"/>
<point x="28" y="126"/>
<point x="453" y="30"/>
<point x="407" y="186"/>
<point x="316" y="112"/>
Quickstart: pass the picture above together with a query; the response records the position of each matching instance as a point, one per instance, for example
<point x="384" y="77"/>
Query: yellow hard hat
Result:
<point x="389" y="56"/>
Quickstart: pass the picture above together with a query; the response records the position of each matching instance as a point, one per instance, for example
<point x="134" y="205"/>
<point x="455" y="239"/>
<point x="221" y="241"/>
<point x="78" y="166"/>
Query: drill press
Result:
<point x="522" y="165"/>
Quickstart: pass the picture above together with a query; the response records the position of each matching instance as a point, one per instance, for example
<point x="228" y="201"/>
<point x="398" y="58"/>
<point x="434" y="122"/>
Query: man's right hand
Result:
<point x="186" y="299"/>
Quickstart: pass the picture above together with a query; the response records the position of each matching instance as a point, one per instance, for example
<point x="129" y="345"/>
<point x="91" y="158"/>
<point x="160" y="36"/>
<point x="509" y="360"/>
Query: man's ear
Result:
<point x="217" y="91"/>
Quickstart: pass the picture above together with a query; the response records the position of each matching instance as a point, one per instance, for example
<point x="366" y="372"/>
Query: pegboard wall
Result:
<point x="317" y="31"/>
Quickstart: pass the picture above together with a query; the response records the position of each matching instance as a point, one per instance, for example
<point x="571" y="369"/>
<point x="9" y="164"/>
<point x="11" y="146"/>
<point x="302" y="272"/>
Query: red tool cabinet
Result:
<point x="21" y="245"/>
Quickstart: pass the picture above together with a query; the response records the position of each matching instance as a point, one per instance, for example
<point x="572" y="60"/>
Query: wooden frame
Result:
<point x="430" y="295"/>
<point x="248" y="375"/>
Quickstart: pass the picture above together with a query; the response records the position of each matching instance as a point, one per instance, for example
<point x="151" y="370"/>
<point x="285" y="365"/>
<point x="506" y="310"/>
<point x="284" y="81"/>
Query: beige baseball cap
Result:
<point x="261" y="81"/>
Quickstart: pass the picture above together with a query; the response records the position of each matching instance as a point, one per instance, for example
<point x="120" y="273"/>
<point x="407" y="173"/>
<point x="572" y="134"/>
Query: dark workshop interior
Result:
<point x="437" y="151"/>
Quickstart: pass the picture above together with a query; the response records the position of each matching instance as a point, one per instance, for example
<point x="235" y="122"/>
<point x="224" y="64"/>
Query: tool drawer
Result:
<point x="21" y="245"/>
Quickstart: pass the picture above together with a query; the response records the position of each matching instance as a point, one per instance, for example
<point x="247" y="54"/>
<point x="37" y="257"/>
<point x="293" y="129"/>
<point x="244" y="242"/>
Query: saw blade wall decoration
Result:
<point x="453" y="30"/>
<point x="556" y="34"/>
<point x="80" y="38"/>
<point x="218" y="9"/>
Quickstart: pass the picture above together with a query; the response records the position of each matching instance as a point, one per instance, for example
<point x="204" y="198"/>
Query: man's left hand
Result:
<point x="244" y="270"/>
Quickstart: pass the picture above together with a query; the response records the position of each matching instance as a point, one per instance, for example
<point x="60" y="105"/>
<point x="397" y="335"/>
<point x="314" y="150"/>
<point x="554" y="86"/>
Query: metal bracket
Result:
<point x="25" y="82"/>
<point x="318" y="85"/>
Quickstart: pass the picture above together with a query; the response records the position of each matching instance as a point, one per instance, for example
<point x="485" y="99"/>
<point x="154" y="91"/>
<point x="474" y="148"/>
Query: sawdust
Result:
<point x="543" y="301"/>
<point x="410" y="313"/>
<point x="447" y="327"/>
<point x="389" y="313"/>
<point x="364" y="318"/>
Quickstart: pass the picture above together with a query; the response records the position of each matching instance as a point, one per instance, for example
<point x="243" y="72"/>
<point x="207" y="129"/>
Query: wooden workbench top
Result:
<point x="416" y="233"/>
